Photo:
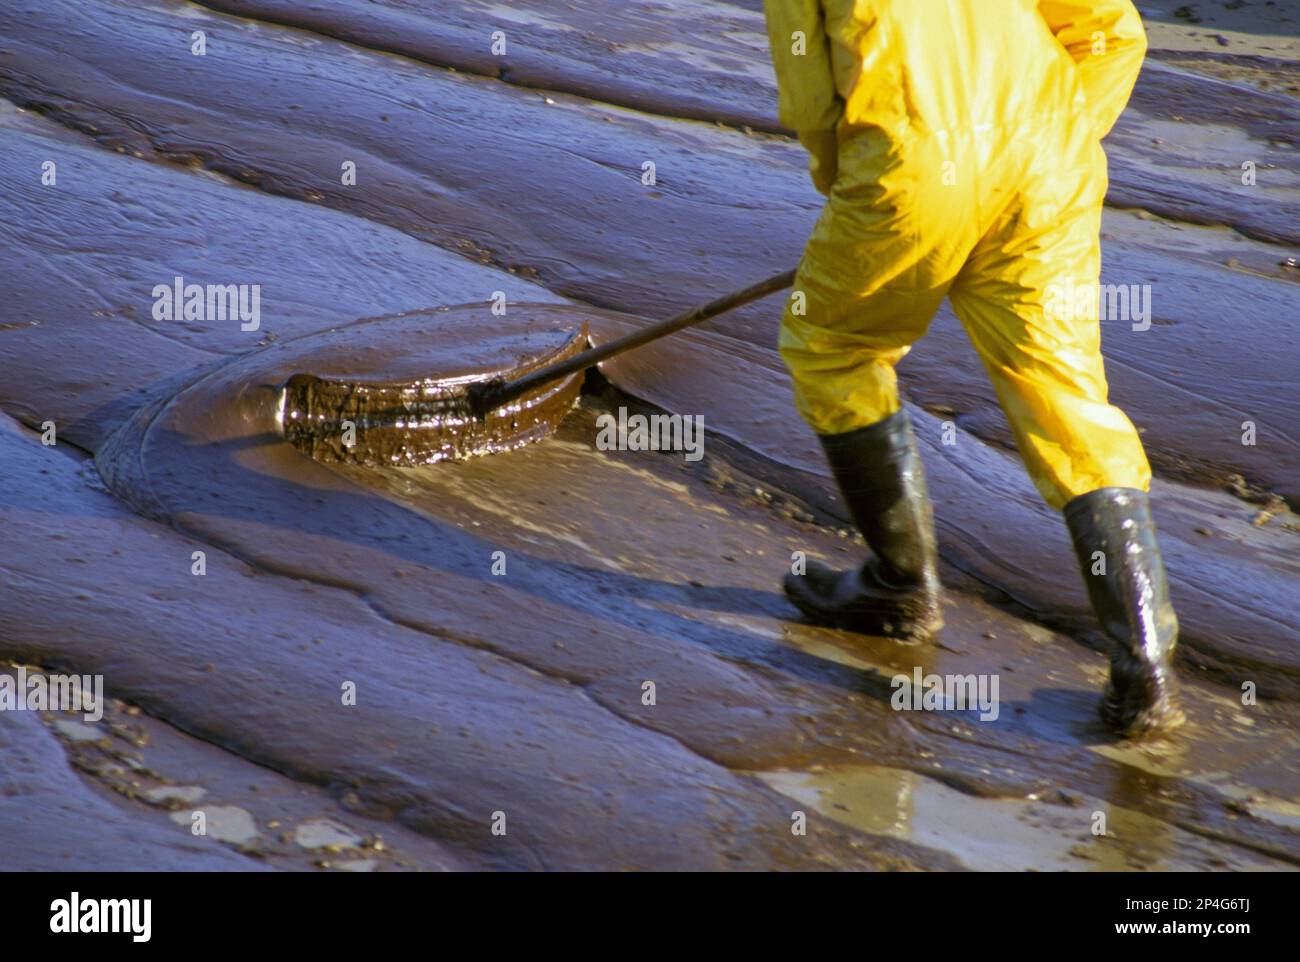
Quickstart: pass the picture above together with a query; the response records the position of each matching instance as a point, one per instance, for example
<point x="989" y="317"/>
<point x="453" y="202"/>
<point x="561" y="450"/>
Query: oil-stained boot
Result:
<point x="1115" y="541"/>
<point x="896" y="591"/>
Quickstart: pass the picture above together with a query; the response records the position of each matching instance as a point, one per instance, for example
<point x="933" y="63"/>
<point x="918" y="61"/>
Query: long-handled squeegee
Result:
<point x="358" y="399"/>
<point x="486" y="396"/>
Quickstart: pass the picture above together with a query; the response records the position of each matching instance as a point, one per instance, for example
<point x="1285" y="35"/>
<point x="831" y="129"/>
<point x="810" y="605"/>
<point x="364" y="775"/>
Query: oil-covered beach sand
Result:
<point x="560" y="656"/>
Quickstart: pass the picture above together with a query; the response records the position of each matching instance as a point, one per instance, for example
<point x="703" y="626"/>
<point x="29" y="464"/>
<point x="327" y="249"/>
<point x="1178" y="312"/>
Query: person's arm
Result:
<point x="1105" y="38"/>
<point x="807" y="100"/>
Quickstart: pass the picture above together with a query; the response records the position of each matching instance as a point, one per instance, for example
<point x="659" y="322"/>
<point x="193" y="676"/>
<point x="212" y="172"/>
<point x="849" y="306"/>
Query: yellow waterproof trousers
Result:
<point x="958" y="142"/>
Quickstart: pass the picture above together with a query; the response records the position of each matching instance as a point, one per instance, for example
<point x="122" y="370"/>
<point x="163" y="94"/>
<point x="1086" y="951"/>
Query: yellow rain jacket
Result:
<point x="958" y="144"/>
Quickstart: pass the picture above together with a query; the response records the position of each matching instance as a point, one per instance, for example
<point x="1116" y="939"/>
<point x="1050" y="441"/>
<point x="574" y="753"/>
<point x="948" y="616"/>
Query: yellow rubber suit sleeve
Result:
<point x="1105" y="38"/>
<point x="807" y="100"/>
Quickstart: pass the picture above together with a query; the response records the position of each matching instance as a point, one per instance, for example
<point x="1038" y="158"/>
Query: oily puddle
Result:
<point x="566" y="502"/>
<point x="1004" y="834"/>
<point x="1252" y="774"/>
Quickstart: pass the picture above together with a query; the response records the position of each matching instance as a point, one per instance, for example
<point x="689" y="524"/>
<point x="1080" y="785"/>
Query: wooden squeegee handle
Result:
<point x="488" y="395"/>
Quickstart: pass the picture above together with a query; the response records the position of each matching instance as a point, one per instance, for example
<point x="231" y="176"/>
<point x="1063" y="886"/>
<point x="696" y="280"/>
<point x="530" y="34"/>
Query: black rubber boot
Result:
<point x="1115" y="541"/>
<point x="896" y="591"/>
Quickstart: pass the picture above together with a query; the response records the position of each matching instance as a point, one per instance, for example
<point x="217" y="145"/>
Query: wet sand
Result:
<point x="42" y="798"/>
<point x="111" y="795"/>
<point x="522" y="690"/>
<point x="444" y="731"/>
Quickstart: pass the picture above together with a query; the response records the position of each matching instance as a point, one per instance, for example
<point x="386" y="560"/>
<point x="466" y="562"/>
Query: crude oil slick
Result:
<point x="392" y="391"/>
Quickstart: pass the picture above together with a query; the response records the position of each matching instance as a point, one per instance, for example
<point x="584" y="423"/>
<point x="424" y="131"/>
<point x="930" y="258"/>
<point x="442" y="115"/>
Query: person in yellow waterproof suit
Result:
<point x="958" y="143"/>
